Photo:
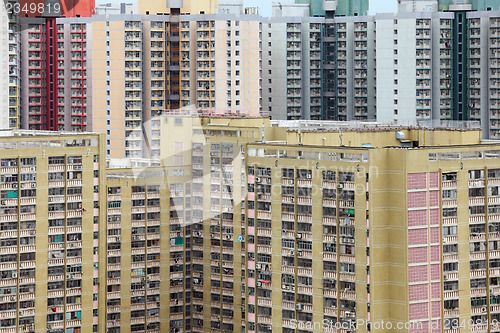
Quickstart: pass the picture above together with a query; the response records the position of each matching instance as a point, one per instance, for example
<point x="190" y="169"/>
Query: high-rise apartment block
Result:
<point x="49" y="222"/>
<point x="251" y="225"/>
<point x="292" y="85"/>
<point x="248" y="225"/>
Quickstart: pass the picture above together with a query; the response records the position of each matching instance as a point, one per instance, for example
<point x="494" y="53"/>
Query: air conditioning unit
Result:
<point x="349" y="314"/>
<point x="283" y="286"/>
<point x="340" y="186"/>
<point x="299" y="236"/>
<point x="445" y="277"/>
<point x="69" y="276"/>
<point x="293" y="288"/>
<point x="284" y="230"/>
<point x="3" y="202"/>
<point x="118" y="239"/>
<point x="228" y="236"/>
<point x="258" y="266"/>
<point x="299" y="307"/>
<point x="308" y="176"/>
<point x="299" y="253"/>
<point x="287" y="287"/>
<point x="258" y="179"/>
<point x="22" y="185"/>
<point x="258" y="284"/>
<point x="291" y="252"/>
<point x="12" y="298"/>
<point x="484" y="309"/>
<point x="14" y="185"/>
<point x="33" y="185"/>
<point x="32" y="169"/>
<point x="14" y="275"/>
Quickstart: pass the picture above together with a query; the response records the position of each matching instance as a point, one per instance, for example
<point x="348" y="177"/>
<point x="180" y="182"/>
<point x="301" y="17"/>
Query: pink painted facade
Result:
<point x="424" y="251"/>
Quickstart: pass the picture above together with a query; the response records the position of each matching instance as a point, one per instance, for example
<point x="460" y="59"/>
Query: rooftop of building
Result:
<point x="26" y="133"/>
<point x="361" y="126"/>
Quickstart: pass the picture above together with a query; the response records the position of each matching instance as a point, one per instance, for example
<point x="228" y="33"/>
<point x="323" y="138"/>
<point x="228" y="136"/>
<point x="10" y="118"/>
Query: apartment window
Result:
<point x="237" y="82"/>
<point x="395" y="61"/>
<point x="395" y="31"/>
<point x="395" y="102"/>
<point x="269" y="71"/>
<point x="269" y="43"/>
<point x="237" y="92"/>
<point x="395" y="72"/>
<point x="395" y="51"/>
<point x="237" y="53"/>
<point x="107" y="43"/>
<point x="237" y="62"/>
<point x="237" y="43"/>
<point x="236" y="33"/>
<point x="270" y="90"/>
<point x="107" y="53"/>
<point x="396" y="81"/>
<point x="237" y="102"/>
<point x="108" y="63"/>
<point x="269" y="62"/>
<point x="395" y="42"/>
<point x="107" y="33"/>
